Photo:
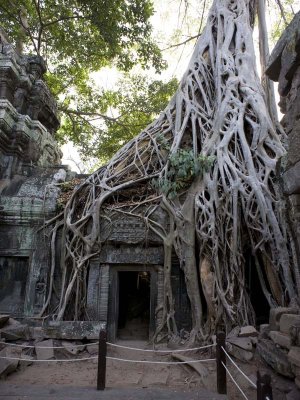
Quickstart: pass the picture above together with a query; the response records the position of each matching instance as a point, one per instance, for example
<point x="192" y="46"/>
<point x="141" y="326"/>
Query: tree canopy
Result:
<point x="77" y="38"/>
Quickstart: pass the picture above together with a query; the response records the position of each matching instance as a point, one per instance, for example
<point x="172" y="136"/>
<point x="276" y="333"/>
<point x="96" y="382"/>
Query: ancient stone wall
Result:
<point x="284" y="67"/>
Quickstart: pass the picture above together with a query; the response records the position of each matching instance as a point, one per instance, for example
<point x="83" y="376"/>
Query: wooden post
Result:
<point x="221" y="358"/>
<point x="264" y="388"/>
<point x="101" y="360"/>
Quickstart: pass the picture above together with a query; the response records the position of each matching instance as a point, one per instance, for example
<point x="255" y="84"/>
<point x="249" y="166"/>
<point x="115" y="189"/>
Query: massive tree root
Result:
<point x="218" y="111"/>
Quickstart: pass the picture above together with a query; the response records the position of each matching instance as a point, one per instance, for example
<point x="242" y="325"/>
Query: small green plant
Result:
<point x="184" y="166"/>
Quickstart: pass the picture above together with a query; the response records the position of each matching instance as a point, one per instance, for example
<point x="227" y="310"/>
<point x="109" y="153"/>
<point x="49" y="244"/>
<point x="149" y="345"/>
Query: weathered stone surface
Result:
<point x="72" y="348"/>
<point x="241" y="342"/>
<point x="291" y="180"/>
<point x="234" y="332"/>
<point x="282" y="339"/>
<point x="294" y="394"/>
<point x="295" y="334"/>
<point x="3" y="320"/>
<point x="297" y="382"/>
<point x="275" y="315"/>
<point x="287" y="321"/>
<point x="73" y="330"/>
<point x="7" y="366"/>
<point x="276" y="358"/>
<point x="15" y="332"/>
<point x="294" y="356"/>
<point x="44" y="350"/>
<point x="239" y="353"/>
<point x="247" y="331"/>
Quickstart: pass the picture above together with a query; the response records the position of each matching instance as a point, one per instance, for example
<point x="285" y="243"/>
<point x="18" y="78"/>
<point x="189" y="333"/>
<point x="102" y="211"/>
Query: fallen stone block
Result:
<point x="44" y="350"/>
<point x="72" y="347"/>
<point x="293" y="394"/>
<point x="240" y="354"/>
<point x="275" y="357"/>
<point x="73" y="330"/>
<point x="242" y="342"/>
<point x="276" y="313"/>
<point x="295" y="334"/>
<point x="247" y="331"/>
<point x="287" y="321"/>
<point x="3" y="320"/>
<point x="234" y="332"/>
<point x="294" y="356"/>
<point x="7" y="366"/>
<point x="15" y="332"/>
<point x="282" y="339"/>
<point x="264" y="330"/>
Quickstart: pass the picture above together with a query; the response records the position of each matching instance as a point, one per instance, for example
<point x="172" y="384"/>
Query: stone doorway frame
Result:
<point x="113" y="297"/>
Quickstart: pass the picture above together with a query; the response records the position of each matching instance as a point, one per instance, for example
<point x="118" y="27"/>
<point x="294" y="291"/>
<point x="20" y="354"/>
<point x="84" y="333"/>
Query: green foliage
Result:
<point x="109" y="119"/>
<point x="78" y="37"/>
<point x="184" y="166"/>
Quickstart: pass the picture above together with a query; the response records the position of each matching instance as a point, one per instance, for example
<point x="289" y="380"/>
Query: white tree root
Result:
<point x="219" y="110"/>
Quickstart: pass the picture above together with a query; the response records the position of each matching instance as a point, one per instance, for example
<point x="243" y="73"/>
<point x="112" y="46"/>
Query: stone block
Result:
<point x="241" y="342"/>
<point x="240" y="354"/>
<point x="72" y="348"/>
<point x="15" y="332"/>
<point x="291" y="180"/>
<point x="247" y="331"/>
<point x="287" y="321"/>
<point x="276" y="313"/>
<point x="297" y="382"/>
<point x="294" y="356"/>
<point x="295" y="334"/>
<point x="3" y="320"/>
<point x="7" y="366"/>
<point x="282" y="339"/>
<point x="294" y="394"/>
<point x="44" y="350"/>
<point x="274" y="357"/>
<point x="73" y="330"/>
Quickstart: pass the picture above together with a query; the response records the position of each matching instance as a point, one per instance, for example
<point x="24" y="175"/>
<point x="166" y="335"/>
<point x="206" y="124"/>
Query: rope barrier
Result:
<point x="45" y="347"/>
<point x="30" y="360"/>
<point x="233" y="380"/>
<point x="160" y="351"/>
<point x="238" y="368"/>
<point x="161" y="362"/>
<point x="110" y="358"/>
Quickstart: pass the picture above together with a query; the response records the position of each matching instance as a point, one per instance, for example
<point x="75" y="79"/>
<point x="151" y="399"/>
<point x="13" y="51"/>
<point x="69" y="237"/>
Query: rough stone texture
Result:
<point x="287" y="321"/>
<point x="282" y="339"/>
<point x="75" y="330"/>
<point x="275" y="315"/>
<point x="247" y="331"/>
<point x="44" y="350"/>
<point x="277" y="359"/>
<point x="15" y="332"/>
<point x="242" y="342"/>
<point x="239" y="353"/>
<point x="7" y="366"/>
<point x="294" y="356"/>
<point x="293" y="394"/>
<point x="284" y="67"/>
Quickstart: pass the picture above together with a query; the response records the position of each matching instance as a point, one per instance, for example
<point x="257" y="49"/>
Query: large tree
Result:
<point x="77" y="38"/>
<point x="209" y="162"/>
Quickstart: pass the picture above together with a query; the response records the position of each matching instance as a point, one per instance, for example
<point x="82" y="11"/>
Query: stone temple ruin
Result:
<point x="30" y="169"/>
<point x="125" y="283"/>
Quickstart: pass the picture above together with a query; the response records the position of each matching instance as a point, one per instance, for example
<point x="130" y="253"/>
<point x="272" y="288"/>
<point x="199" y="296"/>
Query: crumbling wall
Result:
<point x="284" y="67"/>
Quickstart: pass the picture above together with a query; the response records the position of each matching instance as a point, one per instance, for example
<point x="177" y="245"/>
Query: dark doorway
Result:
<point x="134" y="305"/>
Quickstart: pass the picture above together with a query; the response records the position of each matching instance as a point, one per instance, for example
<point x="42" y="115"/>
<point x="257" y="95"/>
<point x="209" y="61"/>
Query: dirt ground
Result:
<point x="125" y="374"/>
